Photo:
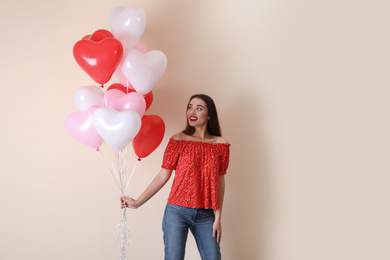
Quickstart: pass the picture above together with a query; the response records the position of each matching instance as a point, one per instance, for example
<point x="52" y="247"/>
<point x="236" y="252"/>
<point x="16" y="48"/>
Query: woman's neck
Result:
<point x="201" y="133"/>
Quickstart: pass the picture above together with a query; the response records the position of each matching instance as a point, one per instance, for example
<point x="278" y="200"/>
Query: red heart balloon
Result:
<point x="149" y="136"/>
<point x="148" y="97"/>
<point x="121" y="88"/>
<point x="101" y="34"/>
<point x="98" y="59"/>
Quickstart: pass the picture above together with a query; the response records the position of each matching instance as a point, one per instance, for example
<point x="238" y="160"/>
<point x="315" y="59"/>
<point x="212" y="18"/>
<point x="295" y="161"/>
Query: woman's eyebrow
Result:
<point x="196" y="105"/>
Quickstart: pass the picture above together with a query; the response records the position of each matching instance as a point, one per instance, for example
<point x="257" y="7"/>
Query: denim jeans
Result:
<point x="176" y="222"/>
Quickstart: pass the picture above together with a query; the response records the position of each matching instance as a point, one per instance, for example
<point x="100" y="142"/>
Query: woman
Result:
<point x="200" y="157"/>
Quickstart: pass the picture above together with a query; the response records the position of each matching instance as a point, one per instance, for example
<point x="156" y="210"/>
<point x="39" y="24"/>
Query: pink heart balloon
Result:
<point x="143" y="70"/>
<point x="140" y="47"/>
<point x="120" y="101"/>
<point x="80" y="126"/>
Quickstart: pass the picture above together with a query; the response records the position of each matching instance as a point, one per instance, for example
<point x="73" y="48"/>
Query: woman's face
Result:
<point x="197" y="113"/>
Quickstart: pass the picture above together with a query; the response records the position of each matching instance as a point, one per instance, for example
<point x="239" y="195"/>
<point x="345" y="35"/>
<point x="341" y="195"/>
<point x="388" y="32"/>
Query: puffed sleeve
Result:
<point x="225" y="157"/>
<point x="172" y="154"/>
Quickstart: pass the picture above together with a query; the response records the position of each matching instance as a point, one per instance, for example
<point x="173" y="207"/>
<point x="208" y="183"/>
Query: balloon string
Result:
<point x="120" y="175"/>
<point x="135" y="166"/>
<point x="110" y="169"/>
<point x="115" y="171"/>
<point x="105" y="100"/>
<point x="120" y="159"/>
<point x="118" y="171"/>
<point x="124" y="236"/>
<point x="123" y="165"/>
<point x="120" y="155"/>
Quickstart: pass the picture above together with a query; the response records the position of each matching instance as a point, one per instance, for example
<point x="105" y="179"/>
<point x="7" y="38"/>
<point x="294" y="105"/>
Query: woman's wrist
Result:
<point x="137" y="203"/>
<point x="218" y="214"/>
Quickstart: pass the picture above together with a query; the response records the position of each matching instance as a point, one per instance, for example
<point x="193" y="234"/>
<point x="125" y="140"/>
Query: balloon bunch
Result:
<point x="116" y="116"/>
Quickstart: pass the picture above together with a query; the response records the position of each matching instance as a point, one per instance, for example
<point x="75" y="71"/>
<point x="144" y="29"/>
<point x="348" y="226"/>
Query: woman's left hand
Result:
<point x="217" y="230"/>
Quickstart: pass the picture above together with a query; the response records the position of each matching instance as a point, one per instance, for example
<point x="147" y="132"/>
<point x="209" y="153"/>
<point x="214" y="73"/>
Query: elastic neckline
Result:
<point x="199" y="142"/>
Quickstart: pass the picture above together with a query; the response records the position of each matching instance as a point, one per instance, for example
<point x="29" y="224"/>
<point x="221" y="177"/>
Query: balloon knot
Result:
<point x="139" y="159"/>
<point x="97" y="149"/>
<point x="102" y="86"/>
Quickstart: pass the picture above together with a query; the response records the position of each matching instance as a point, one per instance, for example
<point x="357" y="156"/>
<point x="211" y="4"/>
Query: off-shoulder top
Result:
<point x="197" y="168"/>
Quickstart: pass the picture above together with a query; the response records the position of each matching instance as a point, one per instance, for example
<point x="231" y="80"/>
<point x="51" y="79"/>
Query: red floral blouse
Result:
<point x="197" y="168"/>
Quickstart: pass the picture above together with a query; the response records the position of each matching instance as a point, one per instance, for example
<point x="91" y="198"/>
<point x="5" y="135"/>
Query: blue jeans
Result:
<point x="176" y="222"/>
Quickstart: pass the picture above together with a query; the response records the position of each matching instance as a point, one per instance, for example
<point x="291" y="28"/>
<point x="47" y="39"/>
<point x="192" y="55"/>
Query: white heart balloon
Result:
<point x="144" y="70"/>
<point x="88" y="96"/>
<point x="118" y="72"/>
<point x="116" y="128"/>
<point x="127" y="24"/>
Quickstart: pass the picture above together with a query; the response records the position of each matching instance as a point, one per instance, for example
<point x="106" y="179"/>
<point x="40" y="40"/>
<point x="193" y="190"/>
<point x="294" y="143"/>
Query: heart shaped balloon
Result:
<point x="127" y="24"/>
<point x="116" y="128"/>
<point x="149" y="136"/>
<point x="121" y="87"/>
<point x="118" y="72"/>
<point x="101" y="34"/>
<point x="148" y="97"/>
<point x="120" y="101"/>
<point x="79" y="125"/>
<point x="143" y="70"/>
<point x="98" y="35"/>
<point x="98" y="59"/>
<point x="140" y="47"/>
<point x="88" y="96"/>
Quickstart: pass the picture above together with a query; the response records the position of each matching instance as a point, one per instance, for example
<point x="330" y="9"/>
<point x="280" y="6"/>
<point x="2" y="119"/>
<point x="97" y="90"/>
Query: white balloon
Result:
<point x="127" y="24"/>
<point x="143" y="71"/>
<point x="116" y="128"/>
<point x="88" y="96"/>
<point x="118" y="72"/>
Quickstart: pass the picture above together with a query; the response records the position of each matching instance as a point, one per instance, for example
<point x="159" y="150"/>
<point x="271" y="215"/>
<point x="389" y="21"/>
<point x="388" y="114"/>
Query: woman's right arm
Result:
<point x="157" y="183"/>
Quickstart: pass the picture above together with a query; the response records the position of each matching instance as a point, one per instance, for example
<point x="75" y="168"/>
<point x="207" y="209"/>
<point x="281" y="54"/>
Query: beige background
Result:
<point x="302" y="89"/>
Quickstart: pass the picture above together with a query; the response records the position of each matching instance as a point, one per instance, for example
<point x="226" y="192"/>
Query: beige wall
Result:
<point x="302" y="89"/>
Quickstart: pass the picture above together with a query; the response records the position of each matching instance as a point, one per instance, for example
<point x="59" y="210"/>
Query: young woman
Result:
<point x="200" y="157"/>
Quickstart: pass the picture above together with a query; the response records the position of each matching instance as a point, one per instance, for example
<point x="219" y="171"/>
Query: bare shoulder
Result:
<point x="180" y="136"/>
<point x="221" y="140"/>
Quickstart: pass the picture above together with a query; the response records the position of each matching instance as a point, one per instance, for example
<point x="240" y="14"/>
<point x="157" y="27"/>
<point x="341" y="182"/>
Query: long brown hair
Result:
<point x="213" y="127"/>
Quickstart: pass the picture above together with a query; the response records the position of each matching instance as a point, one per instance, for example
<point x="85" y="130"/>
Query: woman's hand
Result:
<point x="128" y="202"/>
<point x="217" y="230"/>
<point x="157" y="183"/>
